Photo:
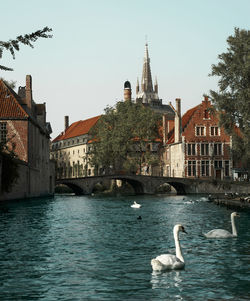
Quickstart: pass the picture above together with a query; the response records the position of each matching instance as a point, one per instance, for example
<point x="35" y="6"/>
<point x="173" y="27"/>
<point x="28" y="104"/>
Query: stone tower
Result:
<point x="147" y="94"/>
<point x="127" y="91"/>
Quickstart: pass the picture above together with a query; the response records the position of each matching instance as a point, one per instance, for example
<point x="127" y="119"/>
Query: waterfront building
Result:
<point x="24" y="130"/>
<point x="195" y="145"/>
<point x="71" y="148"/>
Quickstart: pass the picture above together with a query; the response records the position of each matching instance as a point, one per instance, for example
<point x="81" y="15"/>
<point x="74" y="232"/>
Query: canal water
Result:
<point x="93" y="248"/>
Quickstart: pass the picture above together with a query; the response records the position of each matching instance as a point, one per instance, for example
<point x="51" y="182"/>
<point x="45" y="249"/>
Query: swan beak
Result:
<point x="237" y="214"/>
<point x="183" y="230"/>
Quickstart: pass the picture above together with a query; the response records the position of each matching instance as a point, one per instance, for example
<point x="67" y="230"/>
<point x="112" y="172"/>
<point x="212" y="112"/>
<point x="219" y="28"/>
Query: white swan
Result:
<point x="136" y="205"/>
<point x="169" y="261"/>
<point x="221" y="233"/>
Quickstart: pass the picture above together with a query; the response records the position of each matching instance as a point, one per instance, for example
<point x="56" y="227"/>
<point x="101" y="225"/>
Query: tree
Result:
<point x="233" y="98"/>
<point x="9" y="165"/>
<point x="122" y="137"/>
<point x="27" y="39"/>
<point x="8" y="157"/>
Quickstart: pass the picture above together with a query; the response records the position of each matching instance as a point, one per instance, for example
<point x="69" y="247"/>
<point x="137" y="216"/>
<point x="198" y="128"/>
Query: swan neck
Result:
<point x="234" y="231"/>
<point x="177" y="245"/>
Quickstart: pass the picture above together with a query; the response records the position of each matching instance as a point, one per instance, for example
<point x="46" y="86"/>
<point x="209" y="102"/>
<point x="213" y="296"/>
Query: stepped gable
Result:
<point x="9" y="104"/>
<point x="78" y="128"/>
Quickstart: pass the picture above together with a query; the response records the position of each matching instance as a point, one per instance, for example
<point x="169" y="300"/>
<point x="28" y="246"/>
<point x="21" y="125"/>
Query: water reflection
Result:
<point x="170" y="279"/>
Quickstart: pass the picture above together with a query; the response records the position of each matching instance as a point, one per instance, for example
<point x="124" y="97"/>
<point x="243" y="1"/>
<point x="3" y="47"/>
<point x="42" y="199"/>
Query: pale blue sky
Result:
<point x="99" y="44"/>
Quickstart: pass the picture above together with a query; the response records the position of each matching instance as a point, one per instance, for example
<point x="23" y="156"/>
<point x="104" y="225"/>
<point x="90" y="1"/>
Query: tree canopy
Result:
<point x="122" y="137"/>
<point x="27" y="39"/>
<point x="233" y="98"/>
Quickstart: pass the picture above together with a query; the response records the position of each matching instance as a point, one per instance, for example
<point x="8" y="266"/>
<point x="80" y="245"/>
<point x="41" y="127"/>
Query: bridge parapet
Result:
<point x="148" y="184"/>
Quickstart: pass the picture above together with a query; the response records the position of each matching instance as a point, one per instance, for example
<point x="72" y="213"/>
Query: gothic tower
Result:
<point x="147" y="94"/>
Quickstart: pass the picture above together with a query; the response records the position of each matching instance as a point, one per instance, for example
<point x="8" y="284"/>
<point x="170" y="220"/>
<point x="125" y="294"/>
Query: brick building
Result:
<point x="195" y="145"/>
<point x="23" y="128"/>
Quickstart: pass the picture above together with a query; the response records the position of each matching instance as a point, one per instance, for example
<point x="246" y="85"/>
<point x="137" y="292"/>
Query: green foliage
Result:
<point x="233" y="98"/>
<point x="11" y="84"/>
<point x="122" y="136"/>
<point x="9" y="168"/>
<point x="27" y="39"/>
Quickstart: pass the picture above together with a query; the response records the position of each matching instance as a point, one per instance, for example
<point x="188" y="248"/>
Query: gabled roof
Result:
<point x="184" y="121"/>
<point x="9" y="104"/>
<point x="187" y="116"/>
<point x="78" y="128"/>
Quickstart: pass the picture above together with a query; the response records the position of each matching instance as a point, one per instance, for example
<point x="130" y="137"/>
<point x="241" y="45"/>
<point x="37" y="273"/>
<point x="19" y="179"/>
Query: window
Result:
<point x="217" y="149"/>
<point x="204" y="168"/>
<point x="206" y="114"/>
<point x="217" y="164"/>
<point x="200" y="131"/>
<point x="226" y="168"/>
<point x="204" y="149"/>
<point x="214" y="131"/>
<point x="191" y="168"/>
<point x="191" y="149"/>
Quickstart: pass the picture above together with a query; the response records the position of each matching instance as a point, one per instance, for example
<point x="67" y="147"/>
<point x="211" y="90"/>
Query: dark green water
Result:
<point x="87" y="248"/>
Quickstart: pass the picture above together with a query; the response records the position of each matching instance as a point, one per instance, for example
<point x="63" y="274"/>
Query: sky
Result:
<point x="97" y="45"/>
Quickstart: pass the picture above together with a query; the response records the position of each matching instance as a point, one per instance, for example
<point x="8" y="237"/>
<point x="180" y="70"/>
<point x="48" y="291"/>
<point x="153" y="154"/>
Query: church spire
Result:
<point x="146" y="72"/>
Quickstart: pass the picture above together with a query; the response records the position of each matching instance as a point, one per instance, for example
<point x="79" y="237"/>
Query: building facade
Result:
<point x="24" y="130"/>
<point x="195" y="145"/>
<point x="71" y="148"/>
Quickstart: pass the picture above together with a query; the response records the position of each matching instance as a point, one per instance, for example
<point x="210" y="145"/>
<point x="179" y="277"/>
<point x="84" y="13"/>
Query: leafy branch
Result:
<point x="27" y="39"/>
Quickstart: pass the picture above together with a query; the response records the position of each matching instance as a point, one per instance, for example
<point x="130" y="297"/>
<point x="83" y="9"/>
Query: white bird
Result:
<point x="221" y="233"/>
<point x="169" y="261"/>
<point x="136" y="205"/>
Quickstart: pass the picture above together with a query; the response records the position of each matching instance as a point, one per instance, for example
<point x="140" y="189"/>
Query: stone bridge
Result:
<point x="149" y="184"/>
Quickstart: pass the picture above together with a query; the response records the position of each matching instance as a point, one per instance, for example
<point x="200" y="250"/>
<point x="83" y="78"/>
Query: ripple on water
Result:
<point x="81" y="248"/>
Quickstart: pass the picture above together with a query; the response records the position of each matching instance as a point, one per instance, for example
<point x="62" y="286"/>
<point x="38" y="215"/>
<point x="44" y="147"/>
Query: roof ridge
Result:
<point x="78" y="128"/>
<point x="6" y="107"/>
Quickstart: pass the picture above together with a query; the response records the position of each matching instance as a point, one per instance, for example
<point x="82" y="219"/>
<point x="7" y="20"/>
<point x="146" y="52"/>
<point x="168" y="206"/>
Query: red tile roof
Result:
<point x="78" y="128"/>
<point x="184" y="121"/>
<point x="9" y="105"/>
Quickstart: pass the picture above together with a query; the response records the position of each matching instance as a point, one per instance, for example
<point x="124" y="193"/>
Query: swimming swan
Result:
<point x="169" y="261"/>
<point x="220" y="233"/>
<point x="135" y="205"/>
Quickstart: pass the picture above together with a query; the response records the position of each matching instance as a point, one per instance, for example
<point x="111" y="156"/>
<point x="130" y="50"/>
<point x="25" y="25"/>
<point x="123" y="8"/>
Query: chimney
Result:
<point x="177" y="121"/>
<point x="164" y="128"/>
<point x="28" y="91"/>
<point x="66" y="122"/>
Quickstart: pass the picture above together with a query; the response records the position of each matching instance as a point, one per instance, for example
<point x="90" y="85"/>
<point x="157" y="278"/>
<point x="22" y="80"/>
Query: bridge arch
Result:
<point x="75" y="188"/>
<point x="137" y="185"/>
<point x="179" y="187"/>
